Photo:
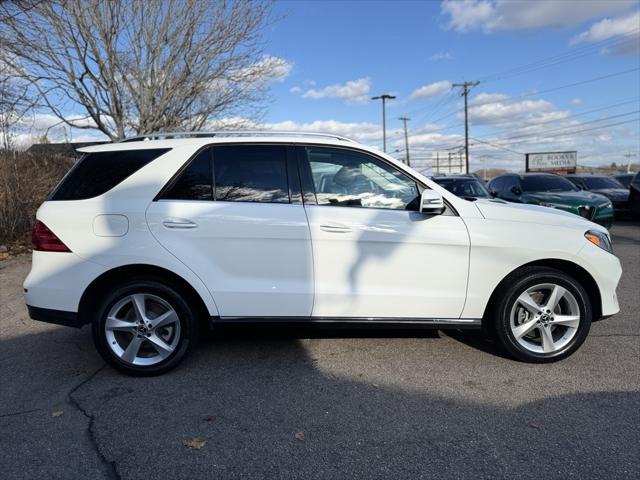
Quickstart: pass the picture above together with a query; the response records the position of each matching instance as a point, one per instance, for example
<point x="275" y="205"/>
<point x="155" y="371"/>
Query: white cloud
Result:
<point x="354" y="91"/>
<point x="436" y="57"/>
<point x="273" y="68"/>
<point x="576" y="101"/>
<point x="498" y="112"/>
<point x="487" y="98"/>
<point x="295" y="90"/>
<point x="432" y="90"/>
<point x="626" y="25"/>
<point x="493" y="15"/>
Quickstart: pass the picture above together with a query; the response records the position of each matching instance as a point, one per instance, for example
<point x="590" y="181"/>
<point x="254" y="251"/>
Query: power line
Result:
<point x="562" y="133"/>
<point x="563" y="57"/>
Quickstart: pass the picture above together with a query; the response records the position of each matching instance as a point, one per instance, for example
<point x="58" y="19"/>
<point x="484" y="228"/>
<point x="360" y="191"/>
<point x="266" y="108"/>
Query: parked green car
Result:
<point x="550" y="190"/>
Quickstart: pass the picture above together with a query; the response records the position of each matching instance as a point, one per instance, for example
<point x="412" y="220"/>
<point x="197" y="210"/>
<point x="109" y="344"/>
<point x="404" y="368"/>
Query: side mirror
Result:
<point x="493" y="193"/>
<point x="516" y="190"/>
<point x="431" y="202"/>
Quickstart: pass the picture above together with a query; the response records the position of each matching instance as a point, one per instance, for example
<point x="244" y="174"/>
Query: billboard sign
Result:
<point x="551" y="161"/>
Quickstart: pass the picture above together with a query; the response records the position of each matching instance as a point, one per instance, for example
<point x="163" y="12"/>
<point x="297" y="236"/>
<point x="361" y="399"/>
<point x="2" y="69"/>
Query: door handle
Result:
<point x="179" y="223"/>
<point x="334" y="228"/>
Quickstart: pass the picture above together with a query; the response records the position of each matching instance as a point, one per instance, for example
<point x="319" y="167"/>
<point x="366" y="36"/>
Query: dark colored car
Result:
<point x="468" y="187"/>
<point x="604" y="185"/>
<point x="625" y="179"/>
<point x="634" y="196"/>
<point x="550" y="190"/>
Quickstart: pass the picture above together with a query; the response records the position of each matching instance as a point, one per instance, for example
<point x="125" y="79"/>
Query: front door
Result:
<point x="245" y="234"/>
<point x="375" y="255"/>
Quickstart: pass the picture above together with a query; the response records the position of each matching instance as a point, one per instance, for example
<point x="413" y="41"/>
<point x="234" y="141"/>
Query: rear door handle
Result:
<point x="176" y="223"/>
<point x="335" y="228"/>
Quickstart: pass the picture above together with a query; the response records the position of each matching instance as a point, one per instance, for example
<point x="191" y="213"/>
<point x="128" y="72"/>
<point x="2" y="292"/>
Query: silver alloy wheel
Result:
<point x="545" y="318"/>
<point x="142" y="329"/>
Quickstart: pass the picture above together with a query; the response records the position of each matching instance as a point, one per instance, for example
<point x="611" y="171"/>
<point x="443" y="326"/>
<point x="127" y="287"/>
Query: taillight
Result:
<point x="45" y="240"/>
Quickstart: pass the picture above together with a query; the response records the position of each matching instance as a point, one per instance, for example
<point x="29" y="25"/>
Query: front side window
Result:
<point x="251" y="173"/>
<point x="346" y="178"/>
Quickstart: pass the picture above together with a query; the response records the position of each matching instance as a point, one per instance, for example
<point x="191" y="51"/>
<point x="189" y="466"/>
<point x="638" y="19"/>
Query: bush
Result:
<point x="25" y="181"/>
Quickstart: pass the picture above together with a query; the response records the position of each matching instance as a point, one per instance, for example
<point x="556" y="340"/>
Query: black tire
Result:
<point x="520" y="281"/>
<point x="189" y="325"/>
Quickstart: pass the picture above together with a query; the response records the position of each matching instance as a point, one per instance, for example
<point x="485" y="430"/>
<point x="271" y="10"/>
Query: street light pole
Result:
<point x="384" y="97"/>
<point x="406" y="138"/>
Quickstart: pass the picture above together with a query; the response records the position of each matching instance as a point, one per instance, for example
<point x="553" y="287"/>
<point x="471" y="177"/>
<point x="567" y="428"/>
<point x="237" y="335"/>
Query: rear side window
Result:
<point x="194" y="182"/>
<point x="97" y="173"/>
<point x="251" y="173"/>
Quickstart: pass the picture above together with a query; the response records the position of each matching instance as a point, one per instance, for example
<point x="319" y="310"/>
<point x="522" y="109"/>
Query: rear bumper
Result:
<point x="59" y="317"/>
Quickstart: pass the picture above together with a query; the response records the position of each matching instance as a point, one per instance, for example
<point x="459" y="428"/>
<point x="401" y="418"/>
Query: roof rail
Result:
<point x="231" y="133"/>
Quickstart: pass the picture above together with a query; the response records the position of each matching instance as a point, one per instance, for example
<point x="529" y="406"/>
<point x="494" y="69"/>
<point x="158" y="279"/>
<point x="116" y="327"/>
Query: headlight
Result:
<point x="600" y="239"/>
<point x="606" y="205"/>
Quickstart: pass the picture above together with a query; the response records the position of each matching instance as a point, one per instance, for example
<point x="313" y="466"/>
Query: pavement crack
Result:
<point x="110" y="466"/>
<point x="24" y="412"/>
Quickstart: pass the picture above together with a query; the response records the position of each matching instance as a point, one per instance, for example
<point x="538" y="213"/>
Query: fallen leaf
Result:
<point x="534" y="425"/>
<point x="195" y="443"/>
<point x="300" y="436"/>
<point x="57" y="413"/>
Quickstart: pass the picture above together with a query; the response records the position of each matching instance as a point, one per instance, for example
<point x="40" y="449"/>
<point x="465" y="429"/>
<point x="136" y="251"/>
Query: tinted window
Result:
<point x="97" y="173"/>
<point x="463" y="187"/>
<point x="601" y="182"/>
<point x="547" y="183"/>
<point x="194" y="182"/>
<point x="636" y="179"/>
<point x="346" y="178"/>
<point x="625" y="180"/>
<point x="496" y="184"/>
<point x="251" y="173"/>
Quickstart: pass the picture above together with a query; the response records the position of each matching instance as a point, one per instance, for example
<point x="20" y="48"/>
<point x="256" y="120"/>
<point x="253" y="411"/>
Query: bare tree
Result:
<point x="15" y="101"/>
<point x="142" y="65"/>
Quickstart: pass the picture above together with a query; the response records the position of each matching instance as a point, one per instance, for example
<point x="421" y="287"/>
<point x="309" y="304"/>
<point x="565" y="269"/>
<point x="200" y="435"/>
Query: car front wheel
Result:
<point x="544" y="315"/>
<point x="144" y="327"/>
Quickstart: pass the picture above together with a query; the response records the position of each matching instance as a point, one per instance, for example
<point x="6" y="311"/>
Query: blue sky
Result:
<point x="333" y="55"/>
<point x="341" y="53"/>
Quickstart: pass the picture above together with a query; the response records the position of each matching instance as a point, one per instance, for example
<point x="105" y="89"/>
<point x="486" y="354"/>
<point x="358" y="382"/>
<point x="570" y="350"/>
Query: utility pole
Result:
<point x="629" y="156"/>
<point x="384" y="97"/>
<point x="406" y="138"/>
<point x="466" y="87"/>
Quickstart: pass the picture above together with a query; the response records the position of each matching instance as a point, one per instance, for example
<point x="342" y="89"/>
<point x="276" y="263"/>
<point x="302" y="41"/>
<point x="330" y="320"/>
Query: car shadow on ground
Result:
<point x="276" y="405"/>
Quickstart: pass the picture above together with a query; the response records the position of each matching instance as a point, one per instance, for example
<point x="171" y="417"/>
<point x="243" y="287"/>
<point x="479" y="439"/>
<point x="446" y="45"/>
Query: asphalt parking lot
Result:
<point x="331" y="404"/>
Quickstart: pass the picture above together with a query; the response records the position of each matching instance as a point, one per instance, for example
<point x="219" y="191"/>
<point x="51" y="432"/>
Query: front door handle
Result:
<point x="176" y="223"/>
<point x="335" y="228"/>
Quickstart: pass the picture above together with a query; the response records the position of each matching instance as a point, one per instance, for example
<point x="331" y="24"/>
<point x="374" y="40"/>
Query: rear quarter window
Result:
<point x="97" y="173"/>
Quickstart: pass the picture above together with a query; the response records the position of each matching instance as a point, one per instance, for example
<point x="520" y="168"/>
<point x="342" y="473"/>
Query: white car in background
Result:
<point x="155" y="237"/>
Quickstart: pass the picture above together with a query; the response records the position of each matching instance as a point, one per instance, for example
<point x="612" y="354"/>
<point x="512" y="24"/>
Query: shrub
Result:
<point x="25" y="181"/>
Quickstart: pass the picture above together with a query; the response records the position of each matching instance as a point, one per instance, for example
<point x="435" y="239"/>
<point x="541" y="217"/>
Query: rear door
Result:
<point x="375" y="255"/>
<point x="244" y="233"/>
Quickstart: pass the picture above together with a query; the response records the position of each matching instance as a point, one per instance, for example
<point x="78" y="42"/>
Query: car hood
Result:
<point x="521" y="212"/>
<point x="613" y="193"/>
<point x="565" y="198"/>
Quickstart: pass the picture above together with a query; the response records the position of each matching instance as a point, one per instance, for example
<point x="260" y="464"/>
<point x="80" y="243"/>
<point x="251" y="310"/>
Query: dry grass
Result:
<point x="25" y="182"/>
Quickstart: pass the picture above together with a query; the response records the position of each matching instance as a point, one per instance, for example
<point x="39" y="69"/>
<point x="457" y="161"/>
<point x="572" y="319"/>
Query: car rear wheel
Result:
<point x="543" y="316"/>
<point x="144" y="327"/>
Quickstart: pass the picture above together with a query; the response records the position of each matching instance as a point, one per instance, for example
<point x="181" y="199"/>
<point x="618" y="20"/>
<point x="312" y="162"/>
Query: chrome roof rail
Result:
<point x="231" y="133"/>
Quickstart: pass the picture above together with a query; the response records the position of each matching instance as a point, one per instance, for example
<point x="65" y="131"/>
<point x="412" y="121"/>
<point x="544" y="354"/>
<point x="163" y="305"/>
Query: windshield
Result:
<point x="625" y="180"/>
<point x="546" y="183"/>
<point x="601" y="182"/>
<point x="464" y="187"/>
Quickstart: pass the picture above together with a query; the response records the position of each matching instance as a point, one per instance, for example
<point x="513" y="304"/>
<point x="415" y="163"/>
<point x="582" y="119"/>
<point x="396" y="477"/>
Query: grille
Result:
<point x="587" y="212"/>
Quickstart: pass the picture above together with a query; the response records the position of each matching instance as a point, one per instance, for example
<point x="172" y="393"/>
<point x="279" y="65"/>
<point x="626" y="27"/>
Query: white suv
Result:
<point x="152" y="238"/>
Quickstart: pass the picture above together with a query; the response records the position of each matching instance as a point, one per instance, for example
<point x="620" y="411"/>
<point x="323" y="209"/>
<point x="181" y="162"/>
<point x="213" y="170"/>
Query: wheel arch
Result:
<point x="565" y="266"/>
<point x="91" y="295"/>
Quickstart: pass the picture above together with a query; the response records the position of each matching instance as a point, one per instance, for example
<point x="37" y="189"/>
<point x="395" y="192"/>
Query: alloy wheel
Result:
<point x="545" y="318"/>
<point x="142" y="329"/>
